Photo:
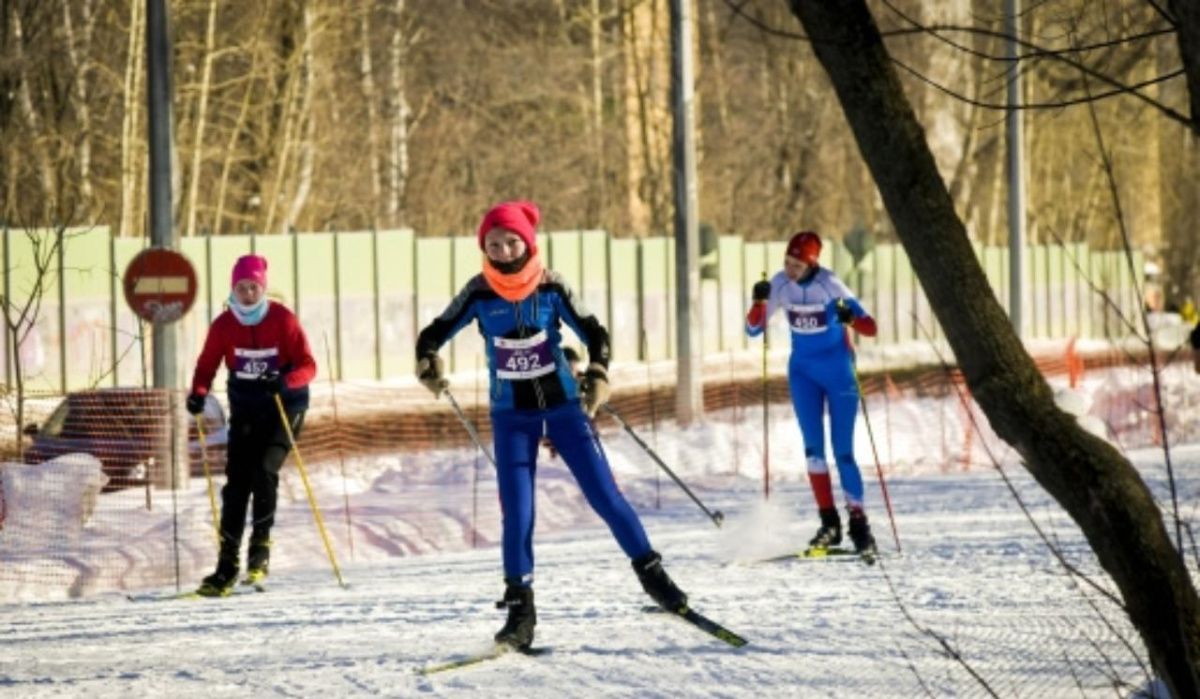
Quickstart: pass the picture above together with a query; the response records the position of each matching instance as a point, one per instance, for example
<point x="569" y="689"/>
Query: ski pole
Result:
<point x="337" y="425"/>
<point x="212" y="496"/>
<point x="462" y="417"/>
<point x="312" y="501"/>
<point x="887" y="501"/>
<point x="862" y="399"/>
<point x="717" y="517"/>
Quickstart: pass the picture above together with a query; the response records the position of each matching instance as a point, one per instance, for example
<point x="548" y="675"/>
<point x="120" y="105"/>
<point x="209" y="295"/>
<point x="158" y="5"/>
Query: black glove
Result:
<point x="593" y="389"/>
<point x="195" y="404"/>
<point x="431" y="372"/>
<point x="272" y="381"/>
<point x="761" y="291"/>
<point x="845" y="314"/>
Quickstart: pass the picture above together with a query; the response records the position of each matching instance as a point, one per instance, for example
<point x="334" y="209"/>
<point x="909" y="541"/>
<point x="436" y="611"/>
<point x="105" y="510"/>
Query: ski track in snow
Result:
<point x="972" y="571"/>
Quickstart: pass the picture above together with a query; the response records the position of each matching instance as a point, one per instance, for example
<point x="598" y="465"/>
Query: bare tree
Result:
<point x="372" y="106"/>
<point x="204" y="89"/>
<point x="131" y="182"/>
<point x="244" y="104"/>
<point x="306" y="148"/>
<point x="78" y="49"/>
<point x="647" y="114"/>
<point x="564" y="102"/>
<point x="400" y="115"/>
<point x="293" y="104"/>
<point x="1094" y="483"/>
<point x="39" y="137"/>
<point x="22" y="308"/>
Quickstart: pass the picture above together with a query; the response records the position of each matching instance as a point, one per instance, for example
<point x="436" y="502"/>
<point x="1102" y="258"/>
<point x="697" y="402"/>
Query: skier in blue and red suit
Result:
<point x="820" y="310"/>
<point x="520" y="307"/>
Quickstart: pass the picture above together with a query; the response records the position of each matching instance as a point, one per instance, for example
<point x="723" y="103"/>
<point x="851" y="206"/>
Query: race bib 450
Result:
<point x="807" y="319"/>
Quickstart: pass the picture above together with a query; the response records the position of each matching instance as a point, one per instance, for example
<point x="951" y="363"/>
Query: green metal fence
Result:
<point x="363" y="295"/>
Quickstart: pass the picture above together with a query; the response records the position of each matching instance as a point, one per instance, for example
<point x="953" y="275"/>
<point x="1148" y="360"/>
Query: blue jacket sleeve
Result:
<point x="460" y="312"/>
<point x="582" y="321"/>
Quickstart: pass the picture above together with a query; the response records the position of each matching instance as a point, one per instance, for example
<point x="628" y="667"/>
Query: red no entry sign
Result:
<point x="160" y="285"/>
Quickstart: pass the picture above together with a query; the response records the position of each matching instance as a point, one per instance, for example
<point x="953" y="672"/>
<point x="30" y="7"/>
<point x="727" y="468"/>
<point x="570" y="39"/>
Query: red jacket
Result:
<point x="277" y="343"/>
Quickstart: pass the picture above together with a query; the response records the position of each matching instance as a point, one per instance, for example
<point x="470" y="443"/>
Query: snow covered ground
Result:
<point x="973" y="604"/>
<point x="972" y="579"/>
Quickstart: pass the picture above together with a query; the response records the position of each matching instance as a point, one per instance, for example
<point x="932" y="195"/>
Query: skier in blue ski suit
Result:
<point x="519" y="308"/>
<point x="820" y="308"/>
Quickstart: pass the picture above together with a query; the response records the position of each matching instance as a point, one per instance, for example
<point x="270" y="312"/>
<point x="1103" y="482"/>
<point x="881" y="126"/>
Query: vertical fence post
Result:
<point x="8" y="344"/>
<point x="208" y="289"/>
<point x="608" y="279"/>
<point x="375" y="304"/>
<point x="60" y="243"/>
<point x="766" y="412"/>
<point x="653" y="423"/>
<point x="112" y="305"/>
<point x="475" y="476"/>
<point x="737" y="404"/>
<point x="639" y="256"/>
<point x="295" y="271"/>
<point x="337" y="301"/>
<point x="414" y="317"/>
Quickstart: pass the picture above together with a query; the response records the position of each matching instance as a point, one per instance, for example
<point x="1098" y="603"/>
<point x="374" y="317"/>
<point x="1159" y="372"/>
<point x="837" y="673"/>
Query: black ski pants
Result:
<point x="258" y="446"/>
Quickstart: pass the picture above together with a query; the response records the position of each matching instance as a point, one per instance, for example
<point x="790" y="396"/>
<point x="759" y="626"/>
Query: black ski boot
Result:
<point x="658" y="584"/>
<point x="522" y="616"/>
<point x="258" y="560"/>
<point x="860" y="534"/>
<point x="221" y="582"/>
<point x="830" y="533"/>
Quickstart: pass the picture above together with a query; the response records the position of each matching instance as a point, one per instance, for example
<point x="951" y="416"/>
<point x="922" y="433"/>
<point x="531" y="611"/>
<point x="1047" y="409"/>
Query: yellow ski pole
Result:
<point x="212" y="496"/>
<point x="312" y="501"/>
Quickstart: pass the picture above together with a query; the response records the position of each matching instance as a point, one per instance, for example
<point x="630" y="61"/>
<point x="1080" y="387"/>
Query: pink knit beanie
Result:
<point x="520" y="217"/>
<point x="252" y="267"/>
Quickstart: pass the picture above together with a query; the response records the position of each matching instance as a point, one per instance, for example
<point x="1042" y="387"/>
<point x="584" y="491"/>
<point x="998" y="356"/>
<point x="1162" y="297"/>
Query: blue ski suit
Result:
<point x="820" y="371"/>
<point x="534" y="393"/>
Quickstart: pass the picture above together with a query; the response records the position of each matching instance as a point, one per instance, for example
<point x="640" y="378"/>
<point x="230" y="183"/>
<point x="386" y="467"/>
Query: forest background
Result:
<point x="315" y="115"/>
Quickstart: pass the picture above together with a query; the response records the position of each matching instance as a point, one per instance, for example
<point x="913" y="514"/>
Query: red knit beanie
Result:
<point x="252" y="267"/>
<point x="806" y="247"/>
<point x="520" y="217"/>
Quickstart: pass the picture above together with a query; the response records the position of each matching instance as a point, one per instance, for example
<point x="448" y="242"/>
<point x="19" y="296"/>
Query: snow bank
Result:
<point x="57" y="495"/>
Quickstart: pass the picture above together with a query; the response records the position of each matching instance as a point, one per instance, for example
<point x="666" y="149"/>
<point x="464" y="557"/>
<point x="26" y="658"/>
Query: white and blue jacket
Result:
<point x="811" y="308"/>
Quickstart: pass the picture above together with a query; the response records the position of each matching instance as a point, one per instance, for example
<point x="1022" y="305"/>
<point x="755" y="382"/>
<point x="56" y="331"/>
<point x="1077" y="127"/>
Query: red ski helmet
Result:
<point x="806" y="247"/>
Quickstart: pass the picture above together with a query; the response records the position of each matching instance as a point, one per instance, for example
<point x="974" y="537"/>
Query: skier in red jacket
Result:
<point x="266" y="354"/>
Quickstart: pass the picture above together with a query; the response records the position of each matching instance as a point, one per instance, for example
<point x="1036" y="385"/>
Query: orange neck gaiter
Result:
<point x="519" y="285"/>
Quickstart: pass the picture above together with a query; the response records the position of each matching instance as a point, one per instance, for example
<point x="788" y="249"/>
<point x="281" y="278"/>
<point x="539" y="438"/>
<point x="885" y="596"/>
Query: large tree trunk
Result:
<point x="1180" y="153"/>
<point x="1086" y="475"/>
<point x="1187" y="30"/>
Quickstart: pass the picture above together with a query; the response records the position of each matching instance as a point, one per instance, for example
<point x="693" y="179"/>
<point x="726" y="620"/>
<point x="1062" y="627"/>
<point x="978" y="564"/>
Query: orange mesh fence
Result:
<point x="87" y="504"/>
